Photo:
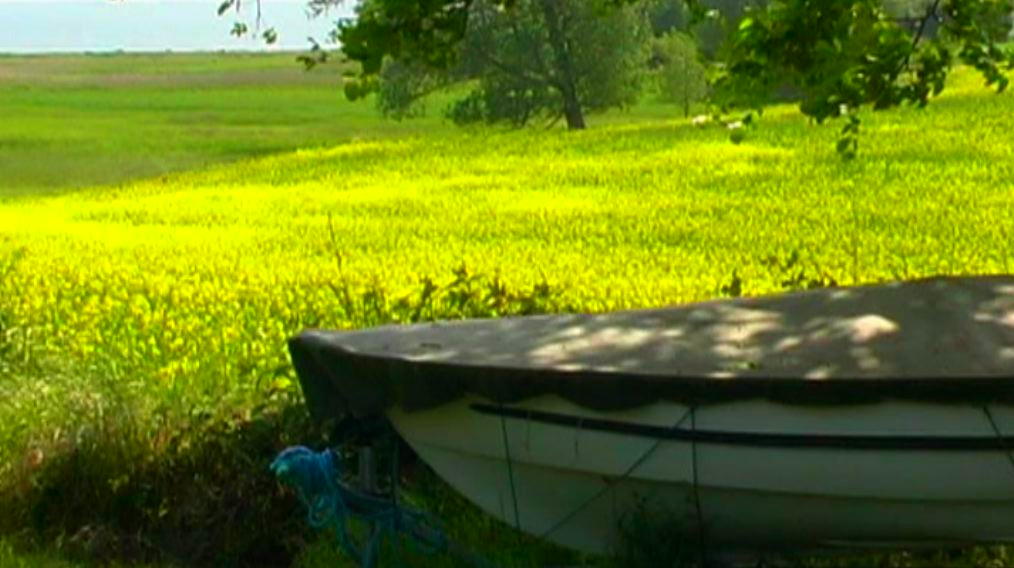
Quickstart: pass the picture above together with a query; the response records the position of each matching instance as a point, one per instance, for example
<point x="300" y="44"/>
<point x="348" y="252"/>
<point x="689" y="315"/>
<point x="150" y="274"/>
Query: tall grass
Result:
<point x="107" y="475"/>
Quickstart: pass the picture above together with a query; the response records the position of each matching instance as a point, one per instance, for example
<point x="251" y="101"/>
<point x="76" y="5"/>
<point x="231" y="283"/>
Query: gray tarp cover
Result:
<point x="944" y="338"/>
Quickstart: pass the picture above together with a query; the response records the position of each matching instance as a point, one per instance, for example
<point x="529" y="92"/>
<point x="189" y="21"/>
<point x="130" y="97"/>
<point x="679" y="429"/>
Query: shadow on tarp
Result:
<point x="934" y="339"/>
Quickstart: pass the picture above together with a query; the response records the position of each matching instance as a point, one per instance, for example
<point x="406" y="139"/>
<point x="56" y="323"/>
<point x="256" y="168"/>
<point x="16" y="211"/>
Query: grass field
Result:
<point x="75" y="121"/>
<point x="169" y="221"/>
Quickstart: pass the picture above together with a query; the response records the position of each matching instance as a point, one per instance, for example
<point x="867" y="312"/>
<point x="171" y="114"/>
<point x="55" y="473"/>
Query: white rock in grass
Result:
<point x="700" y="120"/>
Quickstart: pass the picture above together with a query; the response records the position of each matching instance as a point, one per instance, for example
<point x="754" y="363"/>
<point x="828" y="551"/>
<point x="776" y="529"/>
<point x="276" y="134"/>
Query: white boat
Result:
<point x="879" y="415"/>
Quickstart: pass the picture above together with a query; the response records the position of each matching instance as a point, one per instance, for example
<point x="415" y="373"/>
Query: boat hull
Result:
<point x="749" y="475"/>
<point x="879" y="413"/>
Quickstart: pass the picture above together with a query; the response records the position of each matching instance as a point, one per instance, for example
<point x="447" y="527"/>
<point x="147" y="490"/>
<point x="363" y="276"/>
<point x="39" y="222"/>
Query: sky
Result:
<point x="39" y="26"/>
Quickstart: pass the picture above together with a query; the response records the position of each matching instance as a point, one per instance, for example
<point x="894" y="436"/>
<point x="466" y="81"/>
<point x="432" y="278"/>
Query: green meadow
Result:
<point x="167" y="221"/>
<point x="77" y="121"/>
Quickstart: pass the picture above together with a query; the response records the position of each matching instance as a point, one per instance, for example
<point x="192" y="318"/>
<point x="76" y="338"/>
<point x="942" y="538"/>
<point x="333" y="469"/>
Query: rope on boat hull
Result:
<point x="316" y="477"/>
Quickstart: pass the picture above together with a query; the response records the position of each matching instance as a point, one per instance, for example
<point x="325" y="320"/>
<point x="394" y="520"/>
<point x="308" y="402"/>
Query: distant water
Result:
<point x="39" y="26"/>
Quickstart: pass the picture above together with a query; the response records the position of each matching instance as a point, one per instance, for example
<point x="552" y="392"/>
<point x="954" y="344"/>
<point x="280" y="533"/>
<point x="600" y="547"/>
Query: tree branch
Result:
<point x="931" y="12"/>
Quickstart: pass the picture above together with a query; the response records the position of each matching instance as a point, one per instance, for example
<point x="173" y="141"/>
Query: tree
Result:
<point x="400" y="89"/>
<point x="841" y="55"/>
<point x="681" y="76"/>
<point x="538" y="59"/>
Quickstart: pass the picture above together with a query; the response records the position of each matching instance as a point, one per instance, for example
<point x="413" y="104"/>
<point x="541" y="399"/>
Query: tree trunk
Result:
<point x="686" y="88"/>
<point x="572" y="110"/>
<point x="567" y="82"/>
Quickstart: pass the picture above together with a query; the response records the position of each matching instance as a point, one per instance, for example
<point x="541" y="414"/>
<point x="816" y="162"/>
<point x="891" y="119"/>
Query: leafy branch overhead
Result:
<point x="240" y="29"/>
<point x="843" y="55"/>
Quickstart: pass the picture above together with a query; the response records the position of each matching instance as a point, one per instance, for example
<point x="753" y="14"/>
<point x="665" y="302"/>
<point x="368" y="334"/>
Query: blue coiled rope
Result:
<point x="316" y="477"/>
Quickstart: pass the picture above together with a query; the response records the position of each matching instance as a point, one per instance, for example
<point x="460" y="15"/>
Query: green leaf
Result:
<point x="224" y="6"/>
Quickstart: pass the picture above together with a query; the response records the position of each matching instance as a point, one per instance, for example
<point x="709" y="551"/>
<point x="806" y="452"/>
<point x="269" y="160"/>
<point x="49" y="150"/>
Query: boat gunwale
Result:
<point x="364" y="383"/>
